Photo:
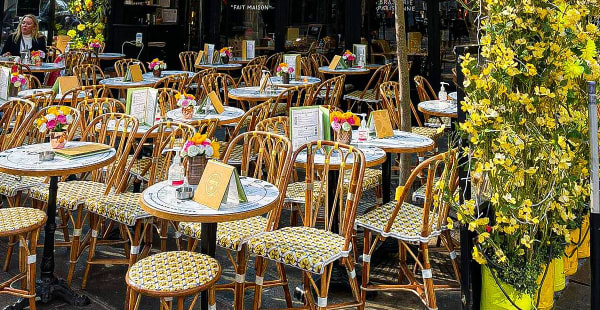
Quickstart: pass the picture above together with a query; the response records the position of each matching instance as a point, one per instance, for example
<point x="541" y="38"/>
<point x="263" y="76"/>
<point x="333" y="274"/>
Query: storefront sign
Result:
<point x="252" y="7"/>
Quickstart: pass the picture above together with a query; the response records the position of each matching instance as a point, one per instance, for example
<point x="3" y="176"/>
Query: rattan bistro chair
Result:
<point x="273" y="61"/>
<point x="413" y="225"/>
<point x="194" y="85"/>
<point x="297" y="96"/>
<point x="187" y="60"/>
<point x="260" y="60"/>
<point x="218" y="82"/>
<point x="272" y="163"/>
<point x="42" y="99"/>
<point x="426" y="92"/>
<point x="24" y="224"/>
<point x="251" y="75"/>
<point x="369" y="96"/>
<point x="315" y="250"/>
<point x="73" y="96"/>
<point x="33" y="82"/>
<point x="14" y="114"/>
<point x="278" y="125"/>
<point x="122" y="64"/>
<point x="175" y="81"/>
<point x="94" y="107"/>
<point x="331" y="91"/>
<point x="88" y="74"/>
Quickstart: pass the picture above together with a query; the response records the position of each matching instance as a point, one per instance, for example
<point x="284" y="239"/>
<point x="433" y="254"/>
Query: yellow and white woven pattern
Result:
<point x="307" y="248"/>
<point x="70" y="194"/>
<point x="230" y="235"/>
<point x="172" y="272"/>
<point x="295" y="192"/>
<point x="236" y="155"/>
<point x="281" y="109"/>
<point x="12" y="219"/>
<point x="435" y="122"/>
<point x="123" y="208"/>
<point x="371" y="179"/>
<point x="370" y="96"/>
<point x="10" y="185"/>
<point x="407" y="225"/>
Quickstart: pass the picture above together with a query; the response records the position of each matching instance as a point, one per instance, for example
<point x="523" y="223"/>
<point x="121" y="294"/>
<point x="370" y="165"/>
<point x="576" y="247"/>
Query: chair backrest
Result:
<point x="379" y="76"/>
<point x="32" y="135"/>
<point x="73" y="96"/>
<point x="444" y="165"/>
<point x="217" y="82"/>
<point x="117" y="130"/>
<point x="196" y="82"/>
<point x="93" y="107"/>
<point x="167" y="100"/>
<point x="122" y="64"/>
<point x="331" y="91"/>
<point x="206" y="127"/>
<point x="298" y="96"/>
<point x="23" y="69"/>
<point x="320" y="59"/>
<point x="74" y="58"/>
<point x="454" y="77"/>
<point x="345" y="201"/>
<point x="88" y="74"/>
<point x="266" y="157"/>
<point x="260" y="61"/>
<point x="175" y="81"/>
<point x="390" y="95"/>
<point x="273" y="61"/>
<point x="42" y="99"/>
<point x="306" y="63"/>
<point x="187" y="60"/>
<point x="52" y="53"/>
<point x="15" y="114"/>
<point x="90" y="55"/>
<point x="254" y="115"/>
<point x="424" y="89"/>
<point x="162" y="136"/>
<point x="279" y="125"/>
<point x="32" y="81"/>
<point x="252" y="74"/>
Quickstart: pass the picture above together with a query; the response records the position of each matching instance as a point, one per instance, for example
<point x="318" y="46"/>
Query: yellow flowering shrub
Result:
<point x="92" y="17"/>
<point x="527" y="127"/>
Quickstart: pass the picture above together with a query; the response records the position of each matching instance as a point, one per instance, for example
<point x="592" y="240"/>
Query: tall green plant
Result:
<point x="91" y="16"/>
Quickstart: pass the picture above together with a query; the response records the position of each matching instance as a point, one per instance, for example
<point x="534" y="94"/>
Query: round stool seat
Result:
<point x="19" y="220"/>
<point x="173" y="273"/>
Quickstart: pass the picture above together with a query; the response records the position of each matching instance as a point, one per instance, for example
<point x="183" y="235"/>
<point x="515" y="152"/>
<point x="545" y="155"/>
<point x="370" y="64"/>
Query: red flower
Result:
<point x="488" y="228"/>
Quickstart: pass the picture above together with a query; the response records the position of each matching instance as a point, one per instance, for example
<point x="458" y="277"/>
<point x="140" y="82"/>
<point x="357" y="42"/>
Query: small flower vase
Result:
<point x="224" y="60"/>
<point x="344" y="136"/>
<point x="348" y="63"/>
<point x="187" y="112"/>
<point x="13" y="91"/>
<point x="97" y="50"/>
<point x="38" y="62"/>
<point x="58" y="139"/>
<point x="195" y="168"/>
<point x="157" y="73"/>
<point x="285" y="77"/>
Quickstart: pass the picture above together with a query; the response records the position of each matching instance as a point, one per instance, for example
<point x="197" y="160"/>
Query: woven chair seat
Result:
<point x="407" y="225"/>
<point x="437" y="122"/>
<point x="10" y="184"/>
<point x="370" y="96"/>
<point x="173" y="272"/>
<point x="70" y="194"/>
<point x="230" y="235"/>
<point x="236" y="155"/>
<point x="428" y="132"/>
<point x="19" y="219"/>
<point x="123" y="208"/>
<point x="307" y="248"/>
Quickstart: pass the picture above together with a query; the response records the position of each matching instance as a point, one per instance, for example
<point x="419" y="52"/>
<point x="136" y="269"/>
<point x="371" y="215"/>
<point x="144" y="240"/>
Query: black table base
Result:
<point x="208" y="246"/>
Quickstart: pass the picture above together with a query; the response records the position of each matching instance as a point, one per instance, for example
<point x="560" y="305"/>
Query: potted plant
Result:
<point x="17" y="82"/>
<point x="225" y="54"/>
<point x="187" y="103"/>
<point x="348" y="58"/>
<point x="56" y="122"/>
<point x="342" y="123"/>
<point x="95" y="45"/>
<point x="284" y="71"/>
<point x="37" y="57"/>
<point x="527" y="127"/>
<point x="157" y="66"/>
<point x="198" y="150"/>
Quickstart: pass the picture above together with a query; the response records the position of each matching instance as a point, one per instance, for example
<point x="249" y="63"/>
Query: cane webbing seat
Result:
<point x="370" y="96"/>
<point x="123" y="208"/>
<point x="70" y="194"/>
<point x="230" y="235"/>
<point x="10" y="184"/>
<point x="18" y="219"/>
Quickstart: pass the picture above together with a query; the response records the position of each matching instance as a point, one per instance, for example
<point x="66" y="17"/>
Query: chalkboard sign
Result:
<point x="25" y="7"/>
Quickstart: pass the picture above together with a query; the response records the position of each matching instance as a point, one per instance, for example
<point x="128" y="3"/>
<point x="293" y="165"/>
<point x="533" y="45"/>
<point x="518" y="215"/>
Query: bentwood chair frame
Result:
<point x="88" y="74"/>
<point x="194" y="84"/>
<point x="15" y="114"/>
<point x="313" y="241"/>
<point x="259" y="60"/>
<point x="370" y="94"/>
<point x="279" y="125"/>
<point x="32" y="81"/>
<point x="122" y="64"/>
<point x="74" y="58"/>
<point x="167" y="101"/>
<point x="91" y="108"/>
<point x="331" y="91"/>
<point x="297" y="96"/>
<point x="187" y="59"/>
<point x="174" y="81"/>
<point x="273" y="61"/>
<point x="73" y="96"/>
<point x="218" y="82"/>
<point x="319" y="60"/>
<point x="52" y="53"/>
<point x="252" y="74"/>
<point x="23" y="68"/>
<point x="390" y="221"/>
<point x="42" y="99"/>
<point x="306" y="63"/>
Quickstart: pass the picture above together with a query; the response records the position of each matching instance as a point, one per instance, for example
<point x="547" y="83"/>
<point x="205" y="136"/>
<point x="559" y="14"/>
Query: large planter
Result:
<point x="559" y="274"/>
<point x="570" y="259"/>
<point x="492" y="297"/>
<point x="58" y="139"/>
<point x="195" y="168"/>
<point x="187" y="112"/>
<point x="583" y="251"/>
<point x="344" y="136"/>
<point x="546" y="291"/>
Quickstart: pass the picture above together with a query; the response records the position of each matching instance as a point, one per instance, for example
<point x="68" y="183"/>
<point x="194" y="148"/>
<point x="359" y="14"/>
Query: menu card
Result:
<point x="248" y="49"/>
<point x="381" y="121"/>
<point x="293" y="61"/>
<point x="141" y="103"/>
<point x="220" y="183"/>
<point x="360" y="50"/>
<point x="134" y="74"/>
<point x="308" y="124"/>
<point x="209" y="50"/>
<point x="64" y="84"/>
<point x="199" y="58"/>
<point x="335" y="62"/>
<point x="4" y="82"/>
<point x="82" y="150"/>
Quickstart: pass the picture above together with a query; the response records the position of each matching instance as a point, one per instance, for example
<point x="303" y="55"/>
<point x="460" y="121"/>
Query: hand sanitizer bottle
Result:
<point x="175" y="174"/>
<point x="363" y="130"/>
<point x="443" y="95"/>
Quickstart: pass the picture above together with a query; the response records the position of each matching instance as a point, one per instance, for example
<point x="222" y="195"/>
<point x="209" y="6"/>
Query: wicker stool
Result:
<point x="21" y="222"/>
<point x="171" y="275"/>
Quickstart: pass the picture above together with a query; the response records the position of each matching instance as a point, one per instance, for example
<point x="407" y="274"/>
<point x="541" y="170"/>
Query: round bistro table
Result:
<point x="118" y="83"/>
<point x="239" y="60"/>
<point x="401" y="142"/>
<point x="304" y="81"/>
<point x="253" y="94"/>
<point x="453" y="95"/>
<point x="47" y="67"/>
<point x="159" y="200"/>
<point x="229" y="116"/>
<point x="348" y="71"/>
<point x="165" y="73"/>
<point x="220" y="67"/>
<point x="24" y="161"/>
<point x="57" y="97"/>
<point x="441" y="108"/>
<point x="109" y="56"/>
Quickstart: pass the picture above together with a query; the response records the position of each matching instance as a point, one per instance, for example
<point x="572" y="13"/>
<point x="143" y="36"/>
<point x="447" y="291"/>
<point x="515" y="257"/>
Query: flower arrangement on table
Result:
<point x="95" y="45"/>
<point x="56" y="122"/>
<point x="187" y="103"/>
<point x="197" y="150"/>
<point x="348" y="58"/>
<point x="284" y="71"/>
<point x="341" y="123"/>
<point x="17" y="81"/>
<point x="37" y="56"/>
<point x="157" y="66"/>
<point x="225" y="54"/>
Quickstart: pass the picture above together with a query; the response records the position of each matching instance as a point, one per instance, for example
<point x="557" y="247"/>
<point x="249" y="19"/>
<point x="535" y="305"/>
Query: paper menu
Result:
<point x="199" y="58"/>
<point x="248" y="49"/>
<point x="220" y="183"/>
<point x="64" y="84"/>
<point x="264" y="81"/>
<point x="335" y="62"/>
<point x="4" y="81"/>
<point x="134" y="74"/>
<point x="142" y="103"/>
<point x="209" y="51"/>
<point x="380" y="119"/>
<point x="293" y="61"/>
<point x="308" y="124"/>
<point x="360" y="50"/>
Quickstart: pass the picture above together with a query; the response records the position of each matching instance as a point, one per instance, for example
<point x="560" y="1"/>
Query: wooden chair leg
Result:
<point x="212" y="298"/>
<point x="450" y="246"/>
<point x="9" y="252"/>
<point x="75" y="244"/>
<point x="286" y="289"/>
<point x="324" y="289"/>
<point x="135" y="243"/>
<point x="32" y="265"/>
<point x="64" y="223"/>
<point x="366" y="265"/>
<point x="163" y="231"/>
<point x="240" y="278"/>
<point x="349" y="262"/>
<point x="180" y="301"/>
<point x="427" y="277"/>
<point x="258" y="291"/>
<point x="402" y="256"/>
<point x="95" y="221"/>
<point x="23" y="259"/>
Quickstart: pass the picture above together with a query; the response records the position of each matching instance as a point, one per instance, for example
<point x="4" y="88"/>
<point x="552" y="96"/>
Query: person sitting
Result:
<point x="27" y="37"/>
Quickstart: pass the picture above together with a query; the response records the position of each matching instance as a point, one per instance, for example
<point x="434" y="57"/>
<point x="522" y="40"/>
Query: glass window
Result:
<point x="248" y="19"/>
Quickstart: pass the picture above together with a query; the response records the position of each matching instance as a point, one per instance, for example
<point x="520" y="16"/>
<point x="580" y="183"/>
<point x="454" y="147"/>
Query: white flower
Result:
<point x="209" y="151"/>
<point x="43" y="127"/>
<point x="50" y="117"/>
<point x="346" y="126"/>
<point x="17" y="84"/>
<point x="201" y="149"/>
<point x="193" y="150"/>
<point x="69" y="119"/>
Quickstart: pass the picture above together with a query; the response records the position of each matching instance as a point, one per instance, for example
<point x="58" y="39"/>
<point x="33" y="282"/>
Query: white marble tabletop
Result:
<point x="304" y="80"/>
<point x="452" y="95"/>
<point x="227" y="66"/>
<point x="230" y="114"/>
<point x="165" y="73"/>
<point x="119" y="83"/>
<point x="352" y="70"/>
<point x="446" y="108"/>
<point x="47" y="67"/>
<point x="253" y="93"/>
<point x="372" y="154"/>
<point x="401" y="142"/>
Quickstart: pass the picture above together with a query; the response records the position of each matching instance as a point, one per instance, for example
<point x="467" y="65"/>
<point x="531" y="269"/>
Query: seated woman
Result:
<point x="26" y="38"/>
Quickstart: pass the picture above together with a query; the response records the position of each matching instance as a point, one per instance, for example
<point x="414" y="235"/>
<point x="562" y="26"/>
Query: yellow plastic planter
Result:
<point x="546" y="291"/>
<point x="570" y="256"/>
<point x="584" y="249"/>
<point x="559" y="274"/>
<point x="492" y="298"/>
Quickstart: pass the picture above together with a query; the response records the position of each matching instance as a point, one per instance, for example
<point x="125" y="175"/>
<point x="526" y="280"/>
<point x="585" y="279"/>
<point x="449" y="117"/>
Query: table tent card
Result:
<point x="360" y="50"/>
<point x="264" y="81"/>
<point x="209" y="50"/>
<point x="4" y="82"/>
<point x="380" y="120"/>
<point x="308" y="124"/>
<point x="293" y="61"/>
<point x="134" y="74"/>
<point x="142" y="103"/>
<point x="248" y="49"/>
<point x="199" y="58"/>
<point x="211" y="99"/>
<point x="335" y="62"/>
<point x="220" y="183"/>
<point x="65" y="83"/>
